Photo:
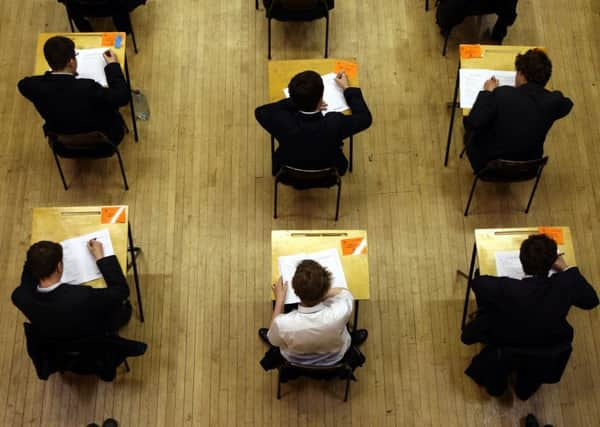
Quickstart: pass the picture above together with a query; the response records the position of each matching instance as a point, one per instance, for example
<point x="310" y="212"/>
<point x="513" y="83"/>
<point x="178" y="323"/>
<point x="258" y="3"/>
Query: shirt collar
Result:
<point x="317" y="307"/>
<point x="310" y="112"/>
<point x="48" y="288"/>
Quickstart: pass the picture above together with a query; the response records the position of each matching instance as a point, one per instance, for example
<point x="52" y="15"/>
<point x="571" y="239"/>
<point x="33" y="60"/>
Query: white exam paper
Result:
<point x="472" y="80"/>
<point x="90" y="65"/>
<point x="79" y="266"/>
<point x="333" y="95"/>
<point x="329" y="258"/>
<point x="508" y="264"/>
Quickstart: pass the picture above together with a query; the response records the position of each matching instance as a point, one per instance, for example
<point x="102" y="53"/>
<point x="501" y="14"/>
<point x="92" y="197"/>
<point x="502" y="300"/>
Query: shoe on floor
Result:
<point x="359" y="336"/>
<point x="262" y="333"/>
<point x="110" y="422"/>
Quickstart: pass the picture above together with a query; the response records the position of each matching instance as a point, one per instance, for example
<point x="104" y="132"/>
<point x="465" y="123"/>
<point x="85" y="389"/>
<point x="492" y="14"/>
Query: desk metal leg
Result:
<point x="469" y="280"/>
<point x="133" y="120"/>
<point x="355" y="326"/>
<point x="351" y="153"/>
<point x="452" y="113"/>
<point x="134" y="251"/>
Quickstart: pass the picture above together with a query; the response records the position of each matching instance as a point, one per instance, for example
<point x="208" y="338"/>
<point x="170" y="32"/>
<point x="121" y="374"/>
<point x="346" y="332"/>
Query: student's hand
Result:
<point x="280" y="289"/>
<point x="491" y="84"/>
<point x="559" y="264"/>
<point x="342" y="80"/>
<point x="322" y="105"/>
<point x="110" y="56"/>
<point x="96" y="249"/>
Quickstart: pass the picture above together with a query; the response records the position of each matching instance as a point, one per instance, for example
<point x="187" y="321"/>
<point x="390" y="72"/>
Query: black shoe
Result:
<point x="110" y="422"/>
<point x="262" y="333"/>
<point x="531" y="421"/>
<point x="359" y="336"/>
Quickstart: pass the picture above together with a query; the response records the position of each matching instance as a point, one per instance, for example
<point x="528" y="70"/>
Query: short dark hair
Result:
<point x="306" y="90"/>
<point x="537" y="254"/>
<point x="43" y="258"/>
<point x="311" y="281"/>
<point x="535" y="66"/>
<point x="58" y="50"/>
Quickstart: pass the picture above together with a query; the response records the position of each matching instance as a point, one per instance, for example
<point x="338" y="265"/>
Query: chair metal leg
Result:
<point x="133" y="250"/>
<point x="126" y="365"/>
<point x="471" y="195"/>
<point x="351" y="153"/>
<point x="135" y="49"/>
<point x="60" y="171"/>
<point x="462" y="153"/>
<point x="122" y="168"/>
<point x="273" y="155"/>
<point x="256" y="3"/>
<point x="269" y="32"/>
<point x="537" y="180"/>
<point x="355" y="326"/>
<point x="347" y="387"/>
<point x="133" y="119"/>
<point x="426" y="5"/>
<point x="337" y="203"/>
<point x="469" y="279"/>
<point x="326" y="34"/>
<point x="278" y="384"/>
<point x="275" y="200"/>
<point x="446" y="37"/>
<point x="452" y="114"/>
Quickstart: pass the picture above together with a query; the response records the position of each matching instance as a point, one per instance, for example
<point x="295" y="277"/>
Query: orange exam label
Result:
<point x="354" y="246"/>
<point x="470" y="51"/>
<point x="112" y="215"/>
<point x="108" y="39"/>
<point x="554" y="233"/>
<point x="350" y="68"/>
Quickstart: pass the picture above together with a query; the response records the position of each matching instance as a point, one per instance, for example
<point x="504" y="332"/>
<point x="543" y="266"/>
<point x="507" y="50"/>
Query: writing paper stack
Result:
<point x="333" y="95"/>
<point x="90" y="65"/>
<point x="79" y="266"/>
<point x="329" y="258"/>
<point x="472" y="80"/>
<point x="508" y="264"/>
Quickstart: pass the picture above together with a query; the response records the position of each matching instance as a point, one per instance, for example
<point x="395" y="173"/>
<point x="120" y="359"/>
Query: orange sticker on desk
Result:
<point x="108" y="39"/>
<point x="470" y="51"/>
<point x="350" y="68"/>
<point x="554" y="233"/>
<point x="112" y="215"/>
<point x="354" y="246"/>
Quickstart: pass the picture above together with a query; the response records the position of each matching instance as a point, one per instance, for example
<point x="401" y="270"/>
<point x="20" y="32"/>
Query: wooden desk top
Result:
<point x="494" y="58"/>
<point x="60" y="223"/>
<point x="356" y="267"/>
<point x="82" y="41"/>
<point x="490" y="240"/>
<point x="281" y="72"/>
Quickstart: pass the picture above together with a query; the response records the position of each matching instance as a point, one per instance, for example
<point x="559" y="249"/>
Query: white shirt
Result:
<point x="314" y="335"/>
<point x="48" y="288"/>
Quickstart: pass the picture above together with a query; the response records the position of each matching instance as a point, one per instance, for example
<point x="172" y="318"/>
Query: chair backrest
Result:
<point x="80" y="144"/>
<point x="512" y="170"/>
<point x="298" y="5"/>
<point x="294" y="370"/>
<point x="538" y="352"/>
<point x="298" y="10"/>
<point x="304" y="178"/>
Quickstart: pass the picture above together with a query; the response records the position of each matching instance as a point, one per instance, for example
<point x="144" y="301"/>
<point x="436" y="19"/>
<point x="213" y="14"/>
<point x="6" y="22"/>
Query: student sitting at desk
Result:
<point x="307" y="139"/>
<point x="70" y="105"/>
<point x="523" y="322"/>
<point x="65" y="312"/>
<point x="511" y="123"/>
<point x="316" y="332"/>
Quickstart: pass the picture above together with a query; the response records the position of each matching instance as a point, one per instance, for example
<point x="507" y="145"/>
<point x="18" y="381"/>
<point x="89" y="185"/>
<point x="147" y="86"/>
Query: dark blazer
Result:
<point x="70" y="105"/>
<point x="511" y="123"/>
<point x="532" y="311"/>
<point x="75" y="311"/>
<point x="313" y="141"/>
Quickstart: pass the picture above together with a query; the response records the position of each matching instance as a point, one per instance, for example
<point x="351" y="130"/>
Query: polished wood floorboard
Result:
<point x="201" y="207"/>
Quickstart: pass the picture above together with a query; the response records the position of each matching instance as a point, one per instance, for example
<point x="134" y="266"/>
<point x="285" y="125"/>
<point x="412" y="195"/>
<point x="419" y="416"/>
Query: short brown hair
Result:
<point x="311" y="281"/>
<point x="43" y="258"/>
<point x="537" y="254"/>
<point x="535" y="66"/>
<point x="306" y="90"/>
<point x="58" y="50"/>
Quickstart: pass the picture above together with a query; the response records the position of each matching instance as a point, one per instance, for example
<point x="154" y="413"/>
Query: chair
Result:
<point x="510" y="171"/>
<point x="289" y="371"/>
<point x="302" y="179"/>
<point x="427" y="4"/>
<point x="298" y="10"/>
<point x="91" y="145"/>
<point x="104" y="8"/>
<point x="96" y="355"/>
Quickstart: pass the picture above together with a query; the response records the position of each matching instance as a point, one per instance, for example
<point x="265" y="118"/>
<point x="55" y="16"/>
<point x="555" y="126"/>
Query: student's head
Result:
<point x="533" y="66"/>
<point x="59" y="52"/>
<point x="306" y="90"/>
<point x="538" y="253"/>
<point x="44" y="258"/>
<point x="311" y="282"/>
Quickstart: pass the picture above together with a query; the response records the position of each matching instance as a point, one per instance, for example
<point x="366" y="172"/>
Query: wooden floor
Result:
<point x="201" y="206"/>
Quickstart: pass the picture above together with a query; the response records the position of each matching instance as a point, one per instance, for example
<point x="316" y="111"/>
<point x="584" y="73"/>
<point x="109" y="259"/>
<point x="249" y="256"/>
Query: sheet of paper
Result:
<point x="79" y="265"/>
<point x="90" y="65"/>
<point x="333" y="95"/>
<point x="329" y="258"/>
<point x="472" y="80"/>
<point x="508" y="264"/>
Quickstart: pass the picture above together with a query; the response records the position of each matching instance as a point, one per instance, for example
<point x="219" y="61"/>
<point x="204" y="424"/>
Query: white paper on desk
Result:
<point x="329" y="258"/>
<point x="79" y="266"/>
<point x="508" y="264"/>
<point x="333" y="95"/>
<point x="90" y="65"/>
<point x="472" y="80"/>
